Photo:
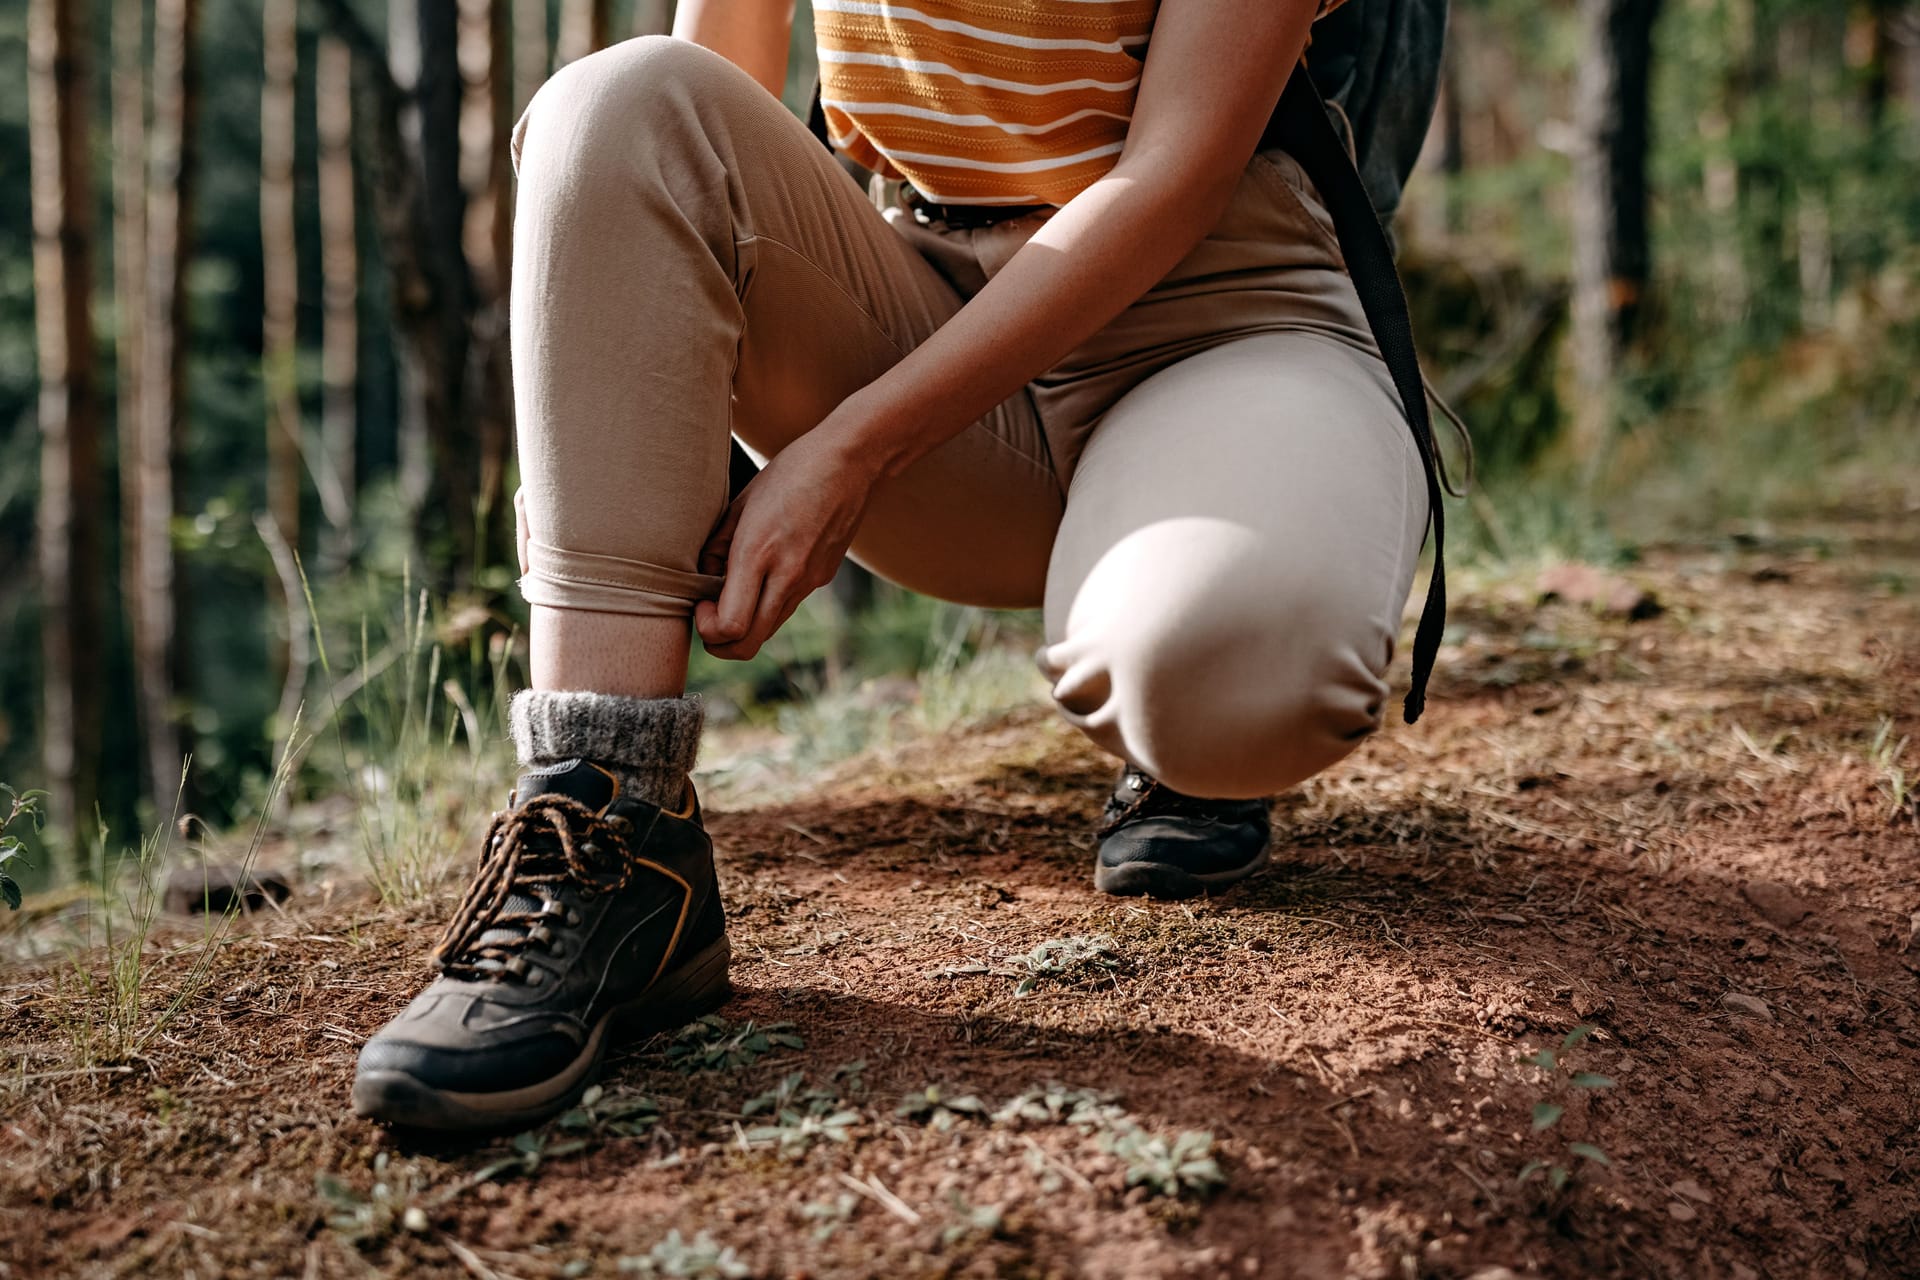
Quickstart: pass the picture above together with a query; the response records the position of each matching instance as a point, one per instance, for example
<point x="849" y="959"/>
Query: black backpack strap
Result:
<point x="817" y="117"/>
<point x="1302" y="128"/>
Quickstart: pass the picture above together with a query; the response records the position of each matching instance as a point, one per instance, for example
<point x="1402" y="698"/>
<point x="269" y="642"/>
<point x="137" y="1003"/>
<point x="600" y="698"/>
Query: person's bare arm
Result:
<point x="753" y="35"/>
<point x="1214" y="71"/>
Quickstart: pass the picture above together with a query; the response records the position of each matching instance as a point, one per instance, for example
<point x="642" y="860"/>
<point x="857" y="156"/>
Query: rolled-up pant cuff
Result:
<point x="560" y="579"/>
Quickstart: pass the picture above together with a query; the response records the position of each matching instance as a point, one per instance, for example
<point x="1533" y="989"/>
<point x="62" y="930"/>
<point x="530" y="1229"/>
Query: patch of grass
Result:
<point x="418" y="726"/>
<point x="1885" y="754"/>
<point x="109" y="1007"/>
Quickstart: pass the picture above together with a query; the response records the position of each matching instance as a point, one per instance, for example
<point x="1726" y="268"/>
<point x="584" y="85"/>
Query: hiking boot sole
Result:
<point x="393" y="1097"/>
<point x="1164" y="880"/>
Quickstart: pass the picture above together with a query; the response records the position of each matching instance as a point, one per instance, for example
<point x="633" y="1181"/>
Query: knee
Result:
<point x="594" y="110"/>
<point x="1234" y="706"/>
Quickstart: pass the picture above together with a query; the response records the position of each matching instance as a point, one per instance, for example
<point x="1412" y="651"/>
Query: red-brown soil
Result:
<point x="1675" y="831"/>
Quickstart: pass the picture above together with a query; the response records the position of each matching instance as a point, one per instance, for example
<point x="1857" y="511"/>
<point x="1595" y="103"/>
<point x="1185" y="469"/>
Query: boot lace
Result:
<point x="1142" y="795"/>
<point x="532" y="853"/>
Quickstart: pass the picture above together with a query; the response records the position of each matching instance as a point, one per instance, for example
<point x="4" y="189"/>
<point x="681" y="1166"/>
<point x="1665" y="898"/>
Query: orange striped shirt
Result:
<point x="984" y="101"/>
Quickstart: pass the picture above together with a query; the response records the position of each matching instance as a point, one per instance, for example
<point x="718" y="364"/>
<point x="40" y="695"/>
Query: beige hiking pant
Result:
<point x="1215" y="498"/>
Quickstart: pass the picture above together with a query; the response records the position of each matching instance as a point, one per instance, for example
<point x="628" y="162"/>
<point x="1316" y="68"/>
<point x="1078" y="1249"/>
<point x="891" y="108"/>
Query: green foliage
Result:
<point x="1083" y="1109"/>
<point x="1559" y="1169"/>
<point x="22" y="806"/>
<point x="711" y="1043"/>
<point x="702" y="1258"/>
<point x="798" y="1117"/>
<point x="940" y="1108"/>
<point x="366" y="1219"/>
<point x="116" y="1012"/>
<point x="1181" y="1168"/>
<point x="1078" y="960"/>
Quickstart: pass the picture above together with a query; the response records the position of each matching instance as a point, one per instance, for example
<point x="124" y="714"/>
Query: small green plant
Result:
<point x="22" y="806"/>
<point x="599" y="1116"/>
<point x="1084" y="1109"/>
<point x="970" y="1221"/>
<point x="388" y="1207"/>
<point x="712" y="1043"/>
<point x="702" y="1258"/>
<point x="1070" y="962"/>
<point x="1184" y="1167"/>
<point x="798" y="1117"/>
<point x="530" y="1150"/>
<point x="1560" y="1074"/>
<point x="828" y="1216"/>
<point x="939" y="1108"/>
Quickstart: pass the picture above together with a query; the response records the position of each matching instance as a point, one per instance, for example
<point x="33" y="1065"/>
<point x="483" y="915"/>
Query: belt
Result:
<point x="961" y="216"/>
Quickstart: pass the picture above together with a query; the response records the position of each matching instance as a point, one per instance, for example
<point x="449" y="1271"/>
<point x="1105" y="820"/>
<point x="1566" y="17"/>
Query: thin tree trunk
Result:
<point x="1611" y="254"/>
<point x="530" y="58"/>
<point x="1453" y="140"/>
<point x="280" y="270"/>
<point x="340" y="285"/>
<point x="129" y="283"/>
<point x="585" y="25"/>
<point x="410" y="108"/>
<point x="160" y="637"/>
<point x="70" y="488"/>
<point x="652" y="17"/>
<point x="485" y="125"/>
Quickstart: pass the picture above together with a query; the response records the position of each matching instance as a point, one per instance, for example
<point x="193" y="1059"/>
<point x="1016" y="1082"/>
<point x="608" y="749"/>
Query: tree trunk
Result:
<point x="411" y="110"/>
<point x="487" y="176"/>
<point x="530" y="60"/>
<point x="340" y="289"/>
<point x="280" y="271"/>
<point x="70" y="487"/>
<point x="1611" y="255"/>
<point x="585" y="25"/>
<point x="652" y="17"/>
<point x="129" y="281"/>
<point x="160" y="633"/>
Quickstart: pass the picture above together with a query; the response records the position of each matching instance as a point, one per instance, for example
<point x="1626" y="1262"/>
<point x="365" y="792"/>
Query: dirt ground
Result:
<point x="1677" y="831"/>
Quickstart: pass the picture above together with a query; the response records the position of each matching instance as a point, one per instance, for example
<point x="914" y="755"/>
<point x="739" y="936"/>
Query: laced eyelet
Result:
<point x="621" y="824"/>
<point x="517" y="966"/>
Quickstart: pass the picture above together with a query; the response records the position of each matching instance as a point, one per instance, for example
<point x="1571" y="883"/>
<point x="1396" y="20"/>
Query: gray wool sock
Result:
<point x="649" y="742"/>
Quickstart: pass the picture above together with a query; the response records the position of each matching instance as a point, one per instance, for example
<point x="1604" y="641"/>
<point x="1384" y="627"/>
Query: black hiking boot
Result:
<point x="593" y="916"/>
<point x="1158" y="842"/>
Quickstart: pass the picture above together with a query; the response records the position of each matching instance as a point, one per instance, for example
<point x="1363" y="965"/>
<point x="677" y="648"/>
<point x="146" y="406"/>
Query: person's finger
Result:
<point x="739" y="598"/>
<point x="719" y="544"/>
<point x="780" y="595"/>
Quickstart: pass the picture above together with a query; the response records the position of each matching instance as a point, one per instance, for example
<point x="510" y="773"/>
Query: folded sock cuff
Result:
<point x="653" y="738"/>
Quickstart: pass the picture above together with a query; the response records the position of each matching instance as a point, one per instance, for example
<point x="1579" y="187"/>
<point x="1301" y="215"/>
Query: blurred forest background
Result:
<point x="254" y="396"/>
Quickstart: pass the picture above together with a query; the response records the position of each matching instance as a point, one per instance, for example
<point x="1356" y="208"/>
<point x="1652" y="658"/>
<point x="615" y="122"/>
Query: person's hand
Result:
<point x="782" y="537"/>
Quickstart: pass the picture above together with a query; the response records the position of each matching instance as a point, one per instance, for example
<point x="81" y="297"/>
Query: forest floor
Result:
<point x="1690" y="833"/>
